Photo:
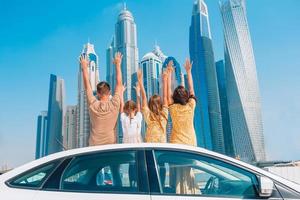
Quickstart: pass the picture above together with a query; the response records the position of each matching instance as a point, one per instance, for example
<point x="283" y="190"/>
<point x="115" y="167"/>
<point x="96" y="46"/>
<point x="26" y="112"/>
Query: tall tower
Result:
<point x="110" y="67"/>
<point x="83" y="117"/>
<point x="208" y="120"/>
<point x="224" y="108"/>
<point x="40" y="146"/>
<point x="70" y="126"/>
<point x="126" y="43"/>
<point x="56" y="113"/>
<point x="151" y="66"/>
<point x="242" y="84"/>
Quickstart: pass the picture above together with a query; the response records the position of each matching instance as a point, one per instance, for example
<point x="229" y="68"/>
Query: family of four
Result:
<point x="104" y="110"/>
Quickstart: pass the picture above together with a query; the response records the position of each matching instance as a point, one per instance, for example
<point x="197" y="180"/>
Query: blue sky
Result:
<point x="42" y="37"/>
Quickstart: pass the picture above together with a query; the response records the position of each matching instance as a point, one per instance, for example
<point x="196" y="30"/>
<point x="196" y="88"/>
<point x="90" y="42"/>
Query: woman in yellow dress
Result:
<point x="182" y="107"/>
<point x="155" y="112"/>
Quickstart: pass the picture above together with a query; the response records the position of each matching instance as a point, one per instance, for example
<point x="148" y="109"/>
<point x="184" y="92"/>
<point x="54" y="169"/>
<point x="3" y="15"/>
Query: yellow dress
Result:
<point x="183" y="131"/>
<point x="156" y="128"/>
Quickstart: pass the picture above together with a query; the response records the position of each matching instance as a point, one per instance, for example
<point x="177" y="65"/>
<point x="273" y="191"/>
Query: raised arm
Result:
<point x="165" y="87"/>
<point x="118" y="61"/>
<point x="84" y="63"/>
<point x="122" y="98"/>
<point x="169" y="85"/>
<point x="138" y="96"/>
<point x="188" y="68"/>
<point x="143" y="92"/>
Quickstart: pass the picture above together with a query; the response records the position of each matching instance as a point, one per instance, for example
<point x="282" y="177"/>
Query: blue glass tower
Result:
<point x="56" y="112"/>
<point x="208" y="120"/>
<point x="41" y="133"/>
<point x="228" y="143"/>
<point x="110" y="67"/>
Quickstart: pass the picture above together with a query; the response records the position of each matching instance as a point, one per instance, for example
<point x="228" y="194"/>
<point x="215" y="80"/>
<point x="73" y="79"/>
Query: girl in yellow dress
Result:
<point x="155" y="112"/>
<point x="182" y="107"/>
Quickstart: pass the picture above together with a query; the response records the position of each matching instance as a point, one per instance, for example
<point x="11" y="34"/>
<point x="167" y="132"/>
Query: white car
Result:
<point x="142" y="171"/>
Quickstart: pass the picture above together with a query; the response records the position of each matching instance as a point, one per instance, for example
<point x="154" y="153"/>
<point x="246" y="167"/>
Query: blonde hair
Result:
<point x="155" y="106"/>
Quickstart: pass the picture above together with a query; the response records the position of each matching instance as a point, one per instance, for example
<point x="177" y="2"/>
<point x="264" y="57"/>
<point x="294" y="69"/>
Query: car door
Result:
<point x="177" y="175"/>
<point x="103" y="175"/>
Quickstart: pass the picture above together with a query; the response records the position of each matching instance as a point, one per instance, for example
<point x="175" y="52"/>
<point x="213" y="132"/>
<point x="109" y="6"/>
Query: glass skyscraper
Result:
<point x="55" y="117"/>
<point x="70" y="125"/>
<point x="228" y="143"/>
<point x="208" y="120"/>
<point x="40" y="147"/>
<point x="110" y="67"/>
<point x="242" y="84"/>
<point x="151" y="66"/>
<point x="83" y="117"/>
<point x="126" y="43"/>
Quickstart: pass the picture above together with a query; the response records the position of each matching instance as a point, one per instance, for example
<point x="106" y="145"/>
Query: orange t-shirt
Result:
<point x="103" y="118"/>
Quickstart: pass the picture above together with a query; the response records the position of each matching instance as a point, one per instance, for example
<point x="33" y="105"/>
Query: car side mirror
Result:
<point x="266" y="186"/>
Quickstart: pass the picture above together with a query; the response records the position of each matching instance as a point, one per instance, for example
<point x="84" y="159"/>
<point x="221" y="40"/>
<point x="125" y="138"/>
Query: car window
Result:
<point x="103" y="172"/>
<point x="34" y="178"/>
<point x="185" y="173"/>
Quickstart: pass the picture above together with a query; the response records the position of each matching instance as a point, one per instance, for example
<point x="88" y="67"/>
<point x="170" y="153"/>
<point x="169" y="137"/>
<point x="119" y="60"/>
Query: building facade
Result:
<point x="70" y="137"/>
<point x="110" y="67"/>
<point x="151" y="66"/>
<point x="40" y="147"/>
<point x="126" y="43"/>
<point x="83" y="117"/>
<point x="208" y="120"/>
<point x="56" y="113"/>
<point x="224" y="109"/>
<point x="242" y="85"/>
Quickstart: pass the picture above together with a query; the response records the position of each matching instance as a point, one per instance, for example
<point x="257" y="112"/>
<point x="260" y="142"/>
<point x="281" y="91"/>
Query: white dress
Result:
<point x="132" y="128"/>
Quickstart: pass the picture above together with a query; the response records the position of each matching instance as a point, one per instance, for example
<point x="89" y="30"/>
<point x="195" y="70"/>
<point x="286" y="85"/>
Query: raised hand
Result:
<point x="170" y="66"/>
<point x="137" y="89"/>
<point x="188" y="65"/>
<point x="84" y="61"/>
<point x="118" y="59"/>
<point x="123" y="88"/>
<point x="165" y="75"/>
<point x="140" y="76"/>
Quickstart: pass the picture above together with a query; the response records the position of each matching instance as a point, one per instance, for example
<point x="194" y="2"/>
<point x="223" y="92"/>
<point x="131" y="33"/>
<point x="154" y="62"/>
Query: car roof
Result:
<point x="167" y="146"/>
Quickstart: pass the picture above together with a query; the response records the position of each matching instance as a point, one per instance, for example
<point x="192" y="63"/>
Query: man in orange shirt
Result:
<point x="103" y="112"/>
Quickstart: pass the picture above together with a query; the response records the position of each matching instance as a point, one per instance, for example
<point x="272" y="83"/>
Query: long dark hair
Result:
<point x="181" y="95"/>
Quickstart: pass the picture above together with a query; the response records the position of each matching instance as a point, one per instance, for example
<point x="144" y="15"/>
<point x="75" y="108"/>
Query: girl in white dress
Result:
<point x="131" y="119"/>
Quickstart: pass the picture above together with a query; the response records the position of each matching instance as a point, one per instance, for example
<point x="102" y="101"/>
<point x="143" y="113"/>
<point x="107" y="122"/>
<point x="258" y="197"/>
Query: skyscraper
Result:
<point x="40" y="147"/>
<point x="83" y="117"/>
<point x="208" y="120"/>
<point x="55" y="118"/>
<point x="151" y="66"/>
<point x="110" y="67"/>
<point x="242" y="84"/>
<point x="228" y="143"/>
<point x="126" y="43"/>
<point x="70" y="126"/>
